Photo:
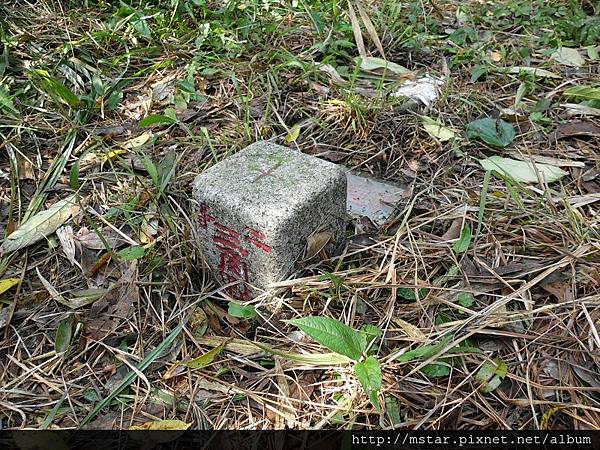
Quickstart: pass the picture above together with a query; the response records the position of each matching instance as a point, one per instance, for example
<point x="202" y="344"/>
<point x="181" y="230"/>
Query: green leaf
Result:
<point x="165" y="170"/>
<point x="465" y="349"/>
<point x="114" y="99"/>
<point x="523" y="171"/>
<point x="293" y="134"/>
<point x="153" y="119"/>
<point x="426" y="351"/>
<point x="40" y="225"/>
<point x="151" y="169"/>
<point x="478" y="72"/>
<point x="242" y="311"/>
<point x="63" y="336"/>
<point x="171" y="114"/>
<point x="372" y="64"/>
<point x="141" y="26"/>
<point x="97" y="85"/>
<point x="7" y="283"/>
<point x="335" y="279"/>
<point x="409" y="293"/>
<point x="393" y="410"/>
<point x="466" y="299"/>
<point x="436" y="370"/>
<point x="333" y="334"/>
<point x="6" y="101"/>
<point x="371" y="333"/>
<point x="53" y="87"/>
<point x="369" y="375"/>
<point x="533" y="71"/>
<point x="583" y="92"/>
<point x="462" y="245"/>
<point x="74" y="176"/>
<point x="491" y="374"/>
<point x="91" y="395"/>
<point x="568" y="57"/>
<point x="206" y="359"/>
<point x="437" y="130"/>
<point x="131" y="253"/>
<point x="441" y="318"/>
<point x="495" y="132"/>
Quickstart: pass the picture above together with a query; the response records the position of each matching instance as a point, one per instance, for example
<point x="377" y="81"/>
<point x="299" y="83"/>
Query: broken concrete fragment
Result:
<point x="257" y="209"/>
<point x="371" y="198"/>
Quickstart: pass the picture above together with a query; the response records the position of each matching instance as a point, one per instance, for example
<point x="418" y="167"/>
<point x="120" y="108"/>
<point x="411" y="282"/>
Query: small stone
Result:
<point x="257" y="209"/>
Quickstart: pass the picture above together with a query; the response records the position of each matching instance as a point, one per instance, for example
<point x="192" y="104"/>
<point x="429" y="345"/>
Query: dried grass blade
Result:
<point x="360" y="44"/>
<point x="370" y="28"/>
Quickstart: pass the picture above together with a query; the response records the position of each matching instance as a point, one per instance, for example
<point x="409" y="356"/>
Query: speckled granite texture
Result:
<point x="257" y="208"/>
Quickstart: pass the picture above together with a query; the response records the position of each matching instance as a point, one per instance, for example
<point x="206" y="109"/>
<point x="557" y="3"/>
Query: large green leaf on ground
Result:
<point x="333" y="334"/>
<point x="495" y="132"/>
<point x="154" y="119"/>
<point x="436" y="370"/>
<point x="526" y="172"/>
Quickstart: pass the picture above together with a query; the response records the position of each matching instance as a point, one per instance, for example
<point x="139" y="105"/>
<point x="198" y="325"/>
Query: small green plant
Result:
<point x="356" y="345"/>
<point x="494" y="132"/>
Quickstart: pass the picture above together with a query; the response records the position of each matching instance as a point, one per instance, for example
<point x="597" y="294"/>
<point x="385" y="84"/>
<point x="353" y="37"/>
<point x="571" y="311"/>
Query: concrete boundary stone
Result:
<point x="256" y="209"/>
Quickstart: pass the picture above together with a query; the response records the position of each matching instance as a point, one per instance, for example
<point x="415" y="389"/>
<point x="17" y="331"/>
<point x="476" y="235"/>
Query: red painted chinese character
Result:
<point x="256" y="237"/>
<point x="204" y="218"/>
<point x="232" y="266"/>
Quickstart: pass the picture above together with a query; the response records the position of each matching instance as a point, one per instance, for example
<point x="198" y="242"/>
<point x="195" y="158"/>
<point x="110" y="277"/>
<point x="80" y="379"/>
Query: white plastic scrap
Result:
<point x="426" y="89"/>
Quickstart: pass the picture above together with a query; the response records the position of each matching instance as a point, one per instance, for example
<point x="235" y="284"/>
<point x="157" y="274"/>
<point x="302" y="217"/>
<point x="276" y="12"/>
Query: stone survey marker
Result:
<point x="257" y="208"/>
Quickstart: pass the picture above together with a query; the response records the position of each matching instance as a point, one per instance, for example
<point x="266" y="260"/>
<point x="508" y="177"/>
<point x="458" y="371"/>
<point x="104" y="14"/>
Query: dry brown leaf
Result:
<point x="162" y="425"/>
<point x="453" y="231"/>
<point x="579" y="128"/>
<point x="25" y="167"/>
<point x="411" y="331"/>
<point x="496" y="56"/>
<point x="118" y="302"/>
<point x="90" y="239"/>
<point x="148" y="229"/>
<point x="317" y="242"/>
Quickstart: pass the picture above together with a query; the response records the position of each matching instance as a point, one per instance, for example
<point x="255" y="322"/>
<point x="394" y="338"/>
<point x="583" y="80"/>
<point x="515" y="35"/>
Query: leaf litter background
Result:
<point x="477" y="300"/>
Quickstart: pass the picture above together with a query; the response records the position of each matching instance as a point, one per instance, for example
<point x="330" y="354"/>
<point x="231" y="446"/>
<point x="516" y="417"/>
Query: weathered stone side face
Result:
<point x="256" y="209"/>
